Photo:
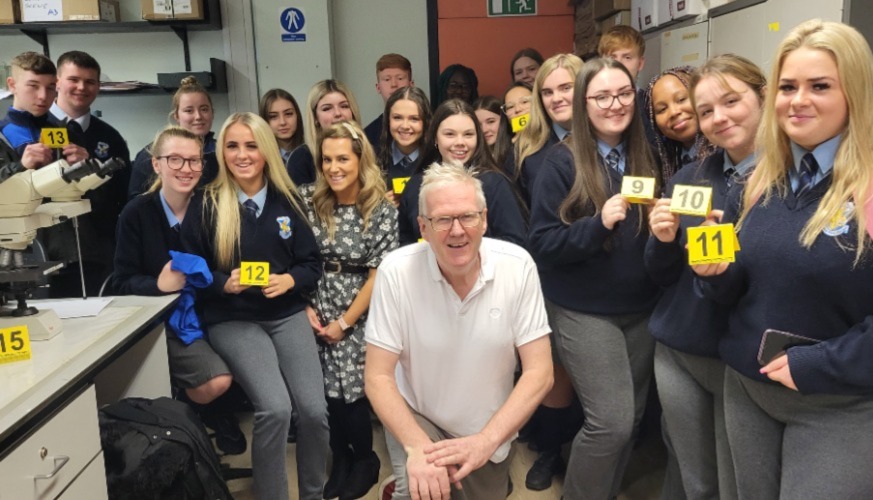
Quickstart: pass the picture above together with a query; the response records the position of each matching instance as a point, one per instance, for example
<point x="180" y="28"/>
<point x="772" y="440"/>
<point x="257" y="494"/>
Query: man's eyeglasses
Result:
<point x="177" y="162"/>
<point x="604" y="101"/>
<point x="506" y="108"/>
<point x="444" y="223"/>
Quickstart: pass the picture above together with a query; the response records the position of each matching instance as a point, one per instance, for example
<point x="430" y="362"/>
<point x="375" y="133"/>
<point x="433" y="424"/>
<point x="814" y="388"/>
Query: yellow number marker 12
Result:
<point x="712" y="244"/>
<point x="54" y="137"/>
<point x="254" y="273"/>
<point x="691" y="200"/>
<point x="14" y="344"/>
<point x="638" y="189"/>
<point x="519" y="122"/>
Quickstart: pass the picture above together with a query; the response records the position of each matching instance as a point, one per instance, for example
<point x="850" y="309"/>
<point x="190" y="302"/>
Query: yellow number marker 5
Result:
<point x="638" y="189"/>
<point x="54" y="137"/>
<point x="14" y="344"/>
<point x="691" y="200"/>
<point x="712" y="244"/>
<point x="254" y="273"/>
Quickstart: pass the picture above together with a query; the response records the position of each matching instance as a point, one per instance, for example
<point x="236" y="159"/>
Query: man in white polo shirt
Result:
<point x="453" y="312"/>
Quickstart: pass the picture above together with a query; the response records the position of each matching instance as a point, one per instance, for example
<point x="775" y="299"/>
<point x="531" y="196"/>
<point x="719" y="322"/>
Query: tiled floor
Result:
<point x="642" y="480"/>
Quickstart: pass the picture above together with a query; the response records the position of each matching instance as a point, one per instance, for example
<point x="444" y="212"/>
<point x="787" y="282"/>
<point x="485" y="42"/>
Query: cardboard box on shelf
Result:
<point x="603" y="8"/>
<point x="9" y="12"/>
<point x="162" y="10"/>
<point x="619" y="18"/>
<point x="42" y="11"/>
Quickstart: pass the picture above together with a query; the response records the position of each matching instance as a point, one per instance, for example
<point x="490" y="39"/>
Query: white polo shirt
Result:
<point x="457" y="357"/>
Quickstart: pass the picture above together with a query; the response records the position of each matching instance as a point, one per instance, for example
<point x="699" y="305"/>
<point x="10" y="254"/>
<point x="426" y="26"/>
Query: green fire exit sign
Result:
<point x="498" y="8"/>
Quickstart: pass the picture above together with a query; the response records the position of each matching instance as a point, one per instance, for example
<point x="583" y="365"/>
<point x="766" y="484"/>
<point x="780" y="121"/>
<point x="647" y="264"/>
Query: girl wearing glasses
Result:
<point x="516" y="102"/>
<point x="252" y="214"/>
<point x="355" y="227"/>
<point x="799" y="417"/>
<point x="584" y="231"/>
<point x="148" y="228"/>
<point x="192" y="110"/>
<point x="407" y="116"/>
<point x="329" y="102"/>
<point x="727" y="93"/>
<point x="455" y="135"/>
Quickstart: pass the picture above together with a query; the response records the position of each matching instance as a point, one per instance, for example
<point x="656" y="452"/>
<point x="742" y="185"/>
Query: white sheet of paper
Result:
<point x="75" y="308"/>
<point x="42" y="10"/>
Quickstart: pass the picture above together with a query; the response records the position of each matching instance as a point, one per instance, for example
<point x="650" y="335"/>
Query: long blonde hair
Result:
<point x="372" y="185"/>
<point x="221" y="194"/>
<point x="851" y="175"/>
<point x="535" y="135"/>
<point x="156" y="148"/>
<point x="318" y="91"/>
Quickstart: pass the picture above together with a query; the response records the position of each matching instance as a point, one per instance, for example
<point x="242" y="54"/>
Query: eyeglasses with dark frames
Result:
<point x="605" y="101"/>
<point x="177" y="162"/>
<point x="445" y="222"/>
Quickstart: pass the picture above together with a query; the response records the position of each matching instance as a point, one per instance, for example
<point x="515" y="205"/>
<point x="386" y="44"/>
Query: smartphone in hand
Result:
<point x="774" y="343"/>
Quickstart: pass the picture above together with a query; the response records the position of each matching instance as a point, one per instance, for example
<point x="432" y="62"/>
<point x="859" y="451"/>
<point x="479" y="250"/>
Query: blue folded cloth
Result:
<point x="184" y="321"/>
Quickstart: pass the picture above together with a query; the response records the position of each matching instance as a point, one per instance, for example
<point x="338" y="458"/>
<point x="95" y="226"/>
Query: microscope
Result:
<point x="36" y="199"/>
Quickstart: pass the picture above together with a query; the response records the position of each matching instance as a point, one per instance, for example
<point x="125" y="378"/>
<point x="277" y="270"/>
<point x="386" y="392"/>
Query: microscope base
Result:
<point x="40" y="326"/>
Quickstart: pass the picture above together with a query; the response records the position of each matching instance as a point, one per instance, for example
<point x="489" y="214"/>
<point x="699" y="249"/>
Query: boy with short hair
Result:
<point x="626" y="45"/>
<point x="393" y="72"/>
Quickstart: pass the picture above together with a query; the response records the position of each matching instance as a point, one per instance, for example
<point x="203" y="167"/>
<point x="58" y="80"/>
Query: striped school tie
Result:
<point x="808" y="169"/>
<point x="251" y="207"/>
<point x="612" y="160"/>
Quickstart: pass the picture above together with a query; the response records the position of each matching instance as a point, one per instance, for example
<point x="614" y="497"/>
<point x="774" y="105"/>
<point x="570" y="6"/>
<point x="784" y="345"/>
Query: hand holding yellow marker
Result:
<point x="254" y="273"/>
<point x="55" y="138"/>
<point x="638" y="189"/>
<point x="691" y="200"/>
<point x="711" y="244"/>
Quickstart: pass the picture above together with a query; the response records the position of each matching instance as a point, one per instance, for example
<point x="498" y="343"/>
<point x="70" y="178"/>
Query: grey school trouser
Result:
<point x="787" y="445"/>
<point x="272" y="360"/>
<point x="609" y="360"/>
<point x="691" y="390"/>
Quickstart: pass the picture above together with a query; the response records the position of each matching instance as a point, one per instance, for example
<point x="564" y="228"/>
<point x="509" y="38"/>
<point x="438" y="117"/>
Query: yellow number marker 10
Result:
<point x="712" y="244"/>
<point x="638" y="189"/>
<point x="54" y="137"/>
<point x="14" y="344"/>
<point x="520" y="122"/>
<point x="691" y="200"/>
<point x="254" y="273"/>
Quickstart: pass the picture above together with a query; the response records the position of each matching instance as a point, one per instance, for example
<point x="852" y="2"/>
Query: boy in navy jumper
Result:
<point x="393" y="72"/>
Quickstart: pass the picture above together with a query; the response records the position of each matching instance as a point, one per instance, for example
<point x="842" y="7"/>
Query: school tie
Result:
<point x="686" y="159"/>
<point x="75" y="128"/>
<point x="612" y="160"/>
<point x="405" y="163"/>
<point x="808" y="169"/>
<point x="177" y="227"/>
<point x="251" y="207"/>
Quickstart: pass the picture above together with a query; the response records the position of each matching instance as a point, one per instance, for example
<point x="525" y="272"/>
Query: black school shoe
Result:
<point x="364" y="474"/>
<point x="229" y="438"/>
<point x="339" y="474"/>
<point x="546" y="466"/>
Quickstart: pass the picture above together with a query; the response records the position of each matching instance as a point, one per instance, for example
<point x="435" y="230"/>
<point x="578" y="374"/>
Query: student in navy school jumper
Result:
<point x="588" y="242"/>
<point x="495" y="128"/>
<point x="148" y="228"/>
<point x="524" y="65"/>
<point x="457" y="82"/>
<point x="801" y="425"/>
<point x="727" y="93"/>
<point x="393" y="72"/>
<point x="329" y="102"/>
<point x="252" y="213"/>
<point x="551" y="114"/>
<point x="409" y="115"/>
<point x="678" y="140"/>
<point x="280" y="110"/>
<point x="454" y="135"/>
<point x="192" y="110"/>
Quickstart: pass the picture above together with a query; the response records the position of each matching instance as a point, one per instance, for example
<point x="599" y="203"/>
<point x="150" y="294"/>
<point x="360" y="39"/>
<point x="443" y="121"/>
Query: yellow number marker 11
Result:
<point x="712" y="244"/>
<point x="638" y="189"/>
<point x="254" y="273"/>
<point x="691" y="200"/>
<point x="14" y="344"/>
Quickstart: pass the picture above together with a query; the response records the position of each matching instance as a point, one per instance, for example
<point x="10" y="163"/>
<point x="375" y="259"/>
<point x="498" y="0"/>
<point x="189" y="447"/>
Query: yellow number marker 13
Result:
<point x="638" y="189"/>
<point x="254" y="273"/>
<point x="691" y="200"/>
<point x="14" y="344"/>
<point x="712" y="244"/>
<point x="54" y="137"/>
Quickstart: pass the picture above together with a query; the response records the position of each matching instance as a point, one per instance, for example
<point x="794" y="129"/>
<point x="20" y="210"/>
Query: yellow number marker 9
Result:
<point x="254" y="273"/>
<point x="638" y="189"/>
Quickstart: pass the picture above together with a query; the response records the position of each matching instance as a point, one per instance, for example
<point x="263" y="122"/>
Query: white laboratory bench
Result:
<point x="49" y="436"/>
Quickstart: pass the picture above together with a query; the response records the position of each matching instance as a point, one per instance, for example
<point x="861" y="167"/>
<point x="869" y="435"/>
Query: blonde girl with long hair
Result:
<point x="798" y="385"/>
<point x="250" y="215"/>
<point x="355" y="226"/>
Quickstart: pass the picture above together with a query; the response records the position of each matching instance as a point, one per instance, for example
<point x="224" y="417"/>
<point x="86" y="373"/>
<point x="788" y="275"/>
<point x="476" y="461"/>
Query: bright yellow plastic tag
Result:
<point x="520" y="122"/>
<point x="14" y="344"/>
<point x="712" y="244"/>
<point x="399" y="184"/>
<point x="691" y="200"/>
<point x="54" y="137"/>
<point x="254" y="273"/>
<point x="638" y="189"/>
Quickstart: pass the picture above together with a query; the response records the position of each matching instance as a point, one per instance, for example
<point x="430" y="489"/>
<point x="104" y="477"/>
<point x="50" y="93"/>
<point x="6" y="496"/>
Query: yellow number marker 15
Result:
<point x="54" y="137"/>
<point x="254" y="273"/>
<point x="691" y="200"/>
<point x="14" y="344"/>
<point x="712" y="244"/>
<point x="638" y="189"/>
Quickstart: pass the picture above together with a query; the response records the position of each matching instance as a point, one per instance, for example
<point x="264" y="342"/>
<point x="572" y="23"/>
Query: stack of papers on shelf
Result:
<point x="129" y="86"/>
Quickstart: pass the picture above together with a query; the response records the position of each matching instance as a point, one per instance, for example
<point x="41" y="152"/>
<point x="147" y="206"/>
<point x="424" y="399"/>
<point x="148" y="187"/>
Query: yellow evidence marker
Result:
<point x="14" y="344"/>
<point x="54" y="137"/>
<point x="520" y="122"/>
<point x="638" y="189"/>
<point x="712" y="244"/>
<point x="691" y="200"/>
<point x="254" y="273"/>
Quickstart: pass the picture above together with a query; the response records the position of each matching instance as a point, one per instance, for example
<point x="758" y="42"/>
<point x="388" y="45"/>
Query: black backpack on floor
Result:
<point x="158" y="449"/>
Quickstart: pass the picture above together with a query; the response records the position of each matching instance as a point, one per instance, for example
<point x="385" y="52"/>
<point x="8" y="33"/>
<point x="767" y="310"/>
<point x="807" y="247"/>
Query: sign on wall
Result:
<point x="497" y="8"/>
<point x="293" y="21"/>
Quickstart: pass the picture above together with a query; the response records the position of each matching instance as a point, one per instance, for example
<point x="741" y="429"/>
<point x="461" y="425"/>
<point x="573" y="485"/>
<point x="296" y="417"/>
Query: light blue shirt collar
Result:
<point x="560" y="131"/>
<point x="260" y="198"/>
<point x="168" y="212"/>
<point x="84" y="120"/>
<point x="692" y="152"/>
<point x="604" y="149"/>
<point x="285" y="154"/>
<point x="824" y="154"/>
<point x="742" y="167"/>
<point x="397" y="155"/>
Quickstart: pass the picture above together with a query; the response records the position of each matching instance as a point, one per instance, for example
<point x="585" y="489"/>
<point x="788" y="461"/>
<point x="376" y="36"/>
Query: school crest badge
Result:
<point x="284" y="227"/>
<point x="102" y="150"/>
<point x="839" y="225"/>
